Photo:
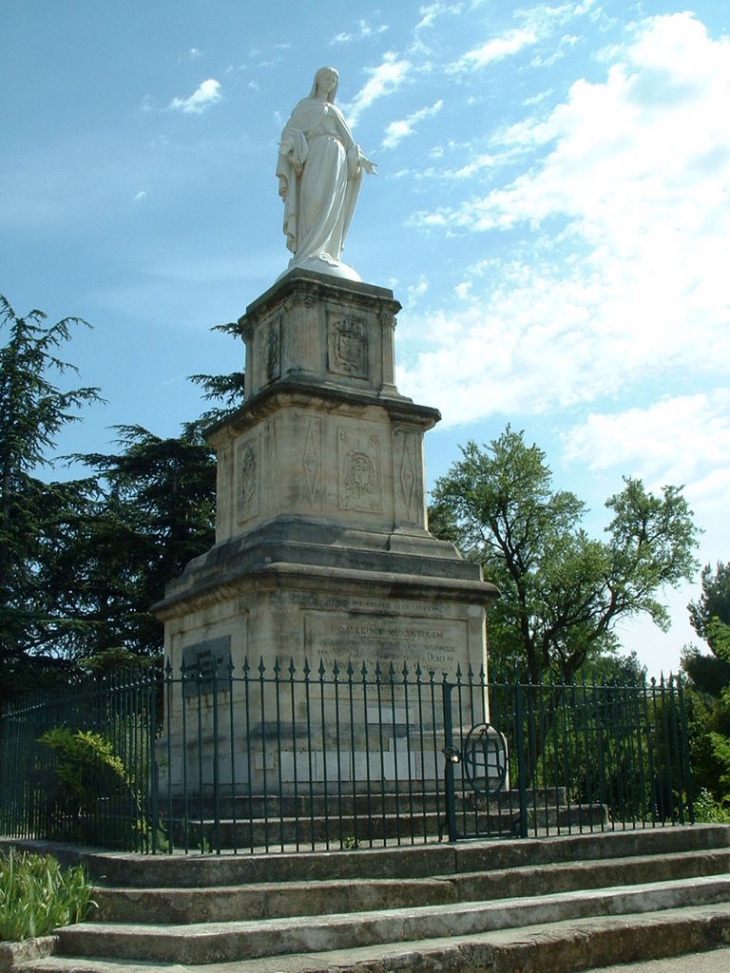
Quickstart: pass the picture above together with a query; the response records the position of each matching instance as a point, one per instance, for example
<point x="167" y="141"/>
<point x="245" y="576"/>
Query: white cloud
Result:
<point x="537" y="23"/>
<point x="416" y="291"/>
<point x="398" y="130"/>
<point x="364" y="30"/>
<point x="205" y="95"/>
<point x="511" y="42"/>
<point x="384" y="80"/>
<point x="619" y="229"/>
<point x="679" y="439"/>
<point x="431" y="12"/>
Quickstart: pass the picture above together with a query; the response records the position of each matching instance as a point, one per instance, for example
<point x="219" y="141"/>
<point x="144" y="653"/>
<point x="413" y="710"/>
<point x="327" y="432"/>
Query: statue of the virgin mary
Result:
<point x="320" y="169"/>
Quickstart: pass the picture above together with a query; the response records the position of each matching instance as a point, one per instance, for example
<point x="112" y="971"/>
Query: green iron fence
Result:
<point x="280" y="757"/>
<point x="76" y="764"/>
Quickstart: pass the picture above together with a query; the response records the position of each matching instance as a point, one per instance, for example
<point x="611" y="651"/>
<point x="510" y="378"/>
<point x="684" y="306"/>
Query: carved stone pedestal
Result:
<point x="322" y="550"/>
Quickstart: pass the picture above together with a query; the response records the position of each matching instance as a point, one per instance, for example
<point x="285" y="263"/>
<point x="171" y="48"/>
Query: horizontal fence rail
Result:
<point x="279" y="757"/>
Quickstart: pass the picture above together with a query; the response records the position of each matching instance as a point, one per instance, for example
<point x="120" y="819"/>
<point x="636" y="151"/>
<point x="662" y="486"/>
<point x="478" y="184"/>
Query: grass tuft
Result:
<point x="37" y="895"/>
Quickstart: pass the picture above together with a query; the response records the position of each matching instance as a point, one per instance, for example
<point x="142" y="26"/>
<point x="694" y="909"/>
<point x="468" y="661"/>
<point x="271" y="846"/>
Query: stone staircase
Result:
<point x="367" y="818"/>
<point x="552" y="904"/>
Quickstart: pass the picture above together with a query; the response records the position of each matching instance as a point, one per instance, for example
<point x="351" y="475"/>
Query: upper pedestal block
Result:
<point x="310" y="327"/>
<point x="323" y="435"/>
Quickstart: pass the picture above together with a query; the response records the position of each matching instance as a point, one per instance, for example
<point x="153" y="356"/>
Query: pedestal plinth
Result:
<point x="322" y="554"/>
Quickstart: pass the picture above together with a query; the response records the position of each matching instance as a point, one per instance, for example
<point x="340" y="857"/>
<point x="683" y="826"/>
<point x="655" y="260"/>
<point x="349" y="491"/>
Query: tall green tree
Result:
<point x="562" y="592"/>
<point x="155" y="511"/>
<point x="33" y="410"/>
<point x="709" y="679"/>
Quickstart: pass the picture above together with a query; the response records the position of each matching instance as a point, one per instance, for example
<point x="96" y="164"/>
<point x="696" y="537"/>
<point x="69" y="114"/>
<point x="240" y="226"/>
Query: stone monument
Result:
<point x="322" y="550"/>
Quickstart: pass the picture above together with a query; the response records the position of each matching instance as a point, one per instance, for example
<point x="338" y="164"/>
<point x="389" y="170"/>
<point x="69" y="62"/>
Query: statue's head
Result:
<point x="325" y="83"/>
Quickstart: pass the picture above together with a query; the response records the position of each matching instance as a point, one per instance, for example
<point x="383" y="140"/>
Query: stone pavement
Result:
<point x="716" y="961"/>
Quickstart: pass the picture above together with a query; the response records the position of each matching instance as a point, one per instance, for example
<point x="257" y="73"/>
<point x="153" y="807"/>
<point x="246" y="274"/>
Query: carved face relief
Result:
<point x="359" y="474"/>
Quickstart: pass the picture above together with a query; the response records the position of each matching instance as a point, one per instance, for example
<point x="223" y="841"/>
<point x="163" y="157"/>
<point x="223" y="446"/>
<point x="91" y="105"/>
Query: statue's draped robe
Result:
<point x="320" y="200"/>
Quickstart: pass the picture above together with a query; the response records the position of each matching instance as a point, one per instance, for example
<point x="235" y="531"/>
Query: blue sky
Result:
<point x="552" y="209"/>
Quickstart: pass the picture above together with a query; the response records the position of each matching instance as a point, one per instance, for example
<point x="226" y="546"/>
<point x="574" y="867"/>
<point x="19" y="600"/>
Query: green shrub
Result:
<point x="37" y="895"/>
<point x="97" y="799"/>
<point x="87" y="765"/>
<point x="710" y="811"/>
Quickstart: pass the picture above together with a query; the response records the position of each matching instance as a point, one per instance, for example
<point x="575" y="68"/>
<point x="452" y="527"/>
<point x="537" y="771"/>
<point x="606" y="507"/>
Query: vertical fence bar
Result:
<point x="310" y="768"/>
<point x="666" y="782"/>
<point x="423" y="797"/>
<point x="685" y="758"/>
<point x="463" y="822"/>
<point x="522" y="757"/>
<point x="261" y="687"/>
<point x="232" y="760"/>
<point x="407" y="741"/>
<point x="353" y="749"/>
<point x="449" y="781"/>
<point x="216" y="765"/>
<point x="279" y="760"/>
<point x="295" y="749"/>
<point x="396" y="773"/>
<point x="246" y="677"/>
<point x="381" y="751"/>
<point x="325" y="798"/>
<point x="154" y="781"/>
<point x="635" y="704"/>
<point x="677" y="763"/>
<point x="338" y="747"/>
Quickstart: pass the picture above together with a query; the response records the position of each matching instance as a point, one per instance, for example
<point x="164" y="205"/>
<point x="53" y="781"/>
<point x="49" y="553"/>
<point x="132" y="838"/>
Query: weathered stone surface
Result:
<point x="582" y="911"/>
<point x="15" y="955"/>
<point x="322" y="549"/>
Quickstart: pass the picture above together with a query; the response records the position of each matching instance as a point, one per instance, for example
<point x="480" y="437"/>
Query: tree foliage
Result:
<point x="562" y="591"/>
<point x="82" y="561"/>
<point x="155" y="512"/>
<point x="33" y="410"/>
<point x="709" y="676"/>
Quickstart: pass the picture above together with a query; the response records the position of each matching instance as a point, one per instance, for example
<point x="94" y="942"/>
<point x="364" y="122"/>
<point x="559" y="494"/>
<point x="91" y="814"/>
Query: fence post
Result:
<point x="521" y="758"/>
<point x="684" y="744"/>
<point x="449" y="781"/>
<point x="154" y="783"/>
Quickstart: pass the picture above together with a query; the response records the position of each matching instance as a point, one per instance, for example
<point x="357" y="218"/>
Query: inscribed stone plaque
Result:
<point x="206" y="664"/>
<point x="341" y="636"/>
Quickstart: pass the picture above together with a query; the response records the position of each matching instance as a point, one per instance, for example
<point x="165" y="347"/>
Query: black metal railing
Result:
<point x="77" y="764"/>
<point x="285" y="757"/>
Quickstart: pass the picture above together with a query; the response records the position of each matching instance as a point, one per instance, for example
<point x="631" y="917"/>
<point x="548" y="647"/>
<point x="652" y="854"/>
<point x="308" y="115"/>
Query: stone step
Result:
<point x="363" y="802"/>
<point x="280" y="899"/>
<point x="216" y="942"/>
<point x="550" y="904"/>
<point x="417" y="861"/>
<point x="567" y="946"/>
<point x="318" y="830"/>
<point x="334" y="829"/>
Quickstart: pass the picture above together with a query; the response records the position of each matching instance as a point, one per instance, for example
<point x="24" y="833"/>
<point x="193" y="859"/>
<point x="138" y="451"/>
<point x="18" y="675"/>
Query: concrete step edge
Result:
<point x="230" y="941"/>
<point x="412" y="861"/>
<point x="569" y="946"/>
<point x="279" y="899"/>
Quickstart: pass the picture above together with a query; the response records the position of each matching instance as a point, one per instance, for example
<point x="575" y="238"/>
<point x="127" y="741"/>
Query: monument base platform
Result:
<point x="323" y="560"/>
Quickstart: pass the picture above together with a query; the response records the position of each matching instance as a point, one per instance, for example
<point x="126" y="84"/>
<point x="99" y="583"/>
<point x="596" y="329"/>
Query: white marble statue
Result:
<point x="320" y="169"/>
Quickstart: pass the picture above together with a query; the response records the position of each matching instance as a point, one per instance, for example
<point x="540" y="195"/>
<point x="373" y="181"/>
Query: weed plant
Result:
<point x="37" y="895"/>
<point x="708" y="810"/>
